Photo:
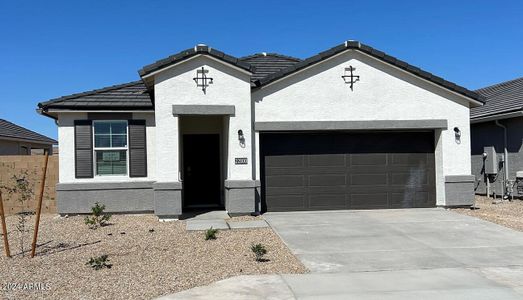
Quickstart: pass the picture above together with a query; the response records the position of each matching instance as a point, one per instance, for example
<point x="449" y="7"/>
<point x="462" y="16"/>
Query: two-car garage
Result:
<point x="347" y="170"/>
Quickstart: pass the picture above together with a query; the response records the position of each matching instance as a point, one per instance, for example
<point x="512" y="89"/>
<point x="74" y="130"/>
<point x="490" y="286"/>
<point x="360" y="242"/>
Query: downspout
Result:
<point x="505" y="151"/>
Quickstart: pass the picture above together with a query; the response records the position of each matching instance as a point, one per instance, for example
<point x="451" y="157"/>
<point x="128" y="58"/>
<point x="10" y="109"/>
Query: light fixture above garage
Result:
<point x="201" y="79"/>
<point x="349" y="77"/>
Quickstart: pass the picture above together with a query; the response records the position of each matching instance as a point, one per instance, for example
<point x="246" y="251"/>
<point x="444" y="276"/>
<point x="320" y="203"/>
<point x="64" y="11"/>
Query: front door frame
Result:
<point x="216" y="178"/>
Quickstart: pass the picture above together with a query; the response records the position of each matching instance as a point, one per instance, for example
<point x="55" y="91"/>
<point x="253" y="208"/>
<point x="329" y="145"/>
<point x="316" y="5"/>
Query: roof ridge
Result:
<point x="91" y="92"/>
<point x="271" y="54"/>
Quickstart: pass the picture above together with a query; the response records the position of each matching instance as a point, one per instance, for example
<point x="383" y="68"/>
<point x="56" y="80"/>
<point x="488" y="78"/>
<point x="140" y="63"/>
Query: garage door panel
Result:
<point x="282" y="202"/>
<point x="368" y="179"/>
<point x="422" y="199"/>
<point x="338" y="189"/>
<point x="302" y="171"/>
<point x="413" y="178"/>
<point x="368" y="159"/>
<point x="285" y="161"/>
<point x="286" y="181"/>
<point x="409" y="159"/>
<point x="274" y="191"/>
<point x="402" y="199"/>
<point x="326" y="160"/>
<point x="369" y="201"/>
<point x="327" y="180"/>
<point x="327" y="201"/>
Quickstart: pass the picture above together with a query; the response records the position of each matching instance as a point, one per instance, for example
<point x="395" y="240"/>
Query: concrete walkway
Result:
<point x="386" y="254"/>
<point x="220" y="220"/>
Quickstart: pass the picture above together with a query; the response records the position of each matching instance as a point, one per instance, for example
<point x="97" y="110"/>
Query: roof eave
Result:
<point x="498" y="116"/>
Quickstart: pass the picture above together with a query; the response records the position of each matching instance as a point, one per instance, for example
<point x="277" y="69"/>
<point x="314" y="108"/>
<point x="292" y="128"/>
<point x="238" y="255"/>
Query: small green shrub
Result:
<point x="99" y="262"/>
<point x="259" y="251"/>
<point x="210" y="234"/>
<point x="98" y="218"/>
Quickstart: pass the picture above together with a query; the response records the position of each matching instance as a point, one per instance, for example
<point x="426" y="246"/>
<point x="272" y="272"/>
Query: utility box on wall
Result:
<point x="491" y="160"/>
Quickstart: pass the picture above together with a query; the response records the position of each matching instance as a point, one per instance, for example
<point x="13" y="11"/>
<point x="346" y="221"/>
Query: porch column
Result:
<point x="168" y="188"/>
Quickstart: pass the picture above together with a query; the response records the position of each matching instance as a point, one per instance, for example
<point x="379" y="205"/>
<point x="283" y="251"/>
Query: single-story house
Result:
<point x="349" y="128"/>
<point x="497" y="136"/>
<point x="17" y="140"/>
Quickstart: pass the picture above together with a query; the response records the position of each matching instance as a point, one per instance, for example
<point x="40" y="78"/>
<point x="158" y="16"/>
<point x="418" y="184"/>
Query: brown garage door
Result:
<point x="365" y="170"/>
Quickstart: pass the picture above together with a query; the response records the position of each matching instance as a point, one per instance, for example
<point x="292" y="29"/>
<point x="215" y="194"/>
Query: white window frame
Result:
<point x="126" y="148"/>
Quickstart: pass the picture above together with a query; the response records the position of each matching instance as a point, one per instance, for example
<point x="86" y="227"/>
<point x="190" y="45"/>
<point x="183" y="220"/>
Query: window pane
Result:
<point x="119" y="140"/>
<point x="110" y="134"/>
<point x="102" y="140"/>
<point x="119" y="127"/>
<point x="111" y="162"/>
<point x="102" y="127"/>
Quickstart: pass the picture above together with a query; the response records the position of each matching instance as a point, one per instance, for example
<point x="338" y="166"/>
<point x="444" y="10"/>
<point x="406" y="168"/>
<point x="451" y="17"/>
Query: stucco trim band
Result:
<point x="238" y="184"/>
<point x="460" y="178"/>
<point x="158" y="186"/>
<point x="204" y="110"/>
<point x="91" y="186"/>
<point x="351" y="125"/>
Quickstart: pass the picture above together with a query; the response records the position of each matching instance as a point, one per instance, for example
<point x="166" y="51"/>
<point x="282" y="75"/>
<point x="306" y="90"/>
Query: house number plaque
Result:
<point x="240" y="161"/>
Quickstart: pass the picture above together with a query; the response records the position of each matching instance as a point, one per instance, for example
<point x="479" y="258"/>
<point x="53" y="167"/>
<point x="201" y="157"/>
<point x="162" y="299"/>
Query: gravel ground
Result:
<point x="145" y="264"/>
<point x="506" y="213"/>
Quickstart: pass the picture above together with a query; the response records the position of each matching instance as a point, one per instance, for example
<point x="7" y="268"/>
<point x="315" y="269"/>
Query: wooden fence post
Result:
<point x="39" y="207"/>
<point x="4" y="227"/>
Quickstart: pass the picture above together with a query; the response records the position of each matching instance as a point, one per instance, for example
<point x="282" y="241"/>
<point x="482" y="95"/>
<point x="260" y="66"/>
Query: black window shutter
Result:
<point x="137" y="149"/>
<point x="83" y="148"/>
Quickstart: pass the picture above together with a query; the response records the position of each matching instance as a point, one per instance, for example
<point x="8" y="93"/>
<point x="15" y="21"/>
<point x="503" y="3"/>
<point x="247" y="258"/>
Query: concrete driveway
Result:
<point x="411" y="253"/>
<point x="386" y="254"/>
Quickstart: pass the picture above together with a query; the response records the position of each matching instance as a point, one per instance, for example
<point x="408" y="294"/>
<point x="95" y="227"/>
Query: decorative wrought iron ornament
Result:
<point x="349" y="77"/>
<point x="202" y="80"/>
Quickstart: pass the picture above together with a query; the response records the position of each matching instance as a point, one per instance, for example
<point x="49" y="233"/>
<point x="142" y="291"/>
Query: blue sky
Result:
<point x="55" y="48"/>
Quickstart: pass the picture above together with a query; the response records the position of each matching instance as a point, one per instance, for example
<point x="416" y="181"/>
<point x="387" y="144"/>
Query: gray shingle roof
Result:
<point x="377" y="54"/>
<point x="268" y="63"/>
<point x="501" y="98"/>
<point x="265" y="68"/>
<point x="127" y="96"/>
<point x="13" y="131"/>
<point x="188" y="53"/>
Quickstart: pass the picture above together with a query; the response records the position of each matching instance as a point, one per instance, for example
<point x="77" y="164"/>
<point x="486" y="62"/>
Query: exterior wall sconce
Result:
<point x="241" y="138"/>
<point x="457" y="135"/>
<point x="349" y="77"/>
<point x="201" y="79"/>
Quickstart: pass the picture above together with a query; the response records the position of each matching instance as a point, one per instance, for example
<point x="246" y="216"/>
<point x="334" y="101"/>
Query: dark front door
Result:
<point x="201" y="170"/>
<point x="359" y="170"/>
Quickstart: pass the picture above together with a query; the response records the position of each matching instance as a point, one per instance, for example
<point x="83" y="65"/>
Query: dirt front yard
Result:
<point x="148" y="258"/>
<point x="506" y="213"/>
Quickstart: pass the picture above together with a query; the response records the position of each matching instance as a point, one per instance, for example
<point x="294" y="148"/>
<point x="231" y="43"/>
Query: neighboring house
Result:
<point x="498" y="124"/>
<point x="348" y="128"/>
<point x="17" y="140"/>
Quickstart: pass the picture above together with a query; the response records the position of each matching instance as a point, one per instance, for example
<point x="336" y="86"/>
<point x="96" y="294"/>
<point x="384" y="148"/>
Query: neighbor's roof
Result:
<point x="127" y="96"/>
<point x="265" y="68"/>
<point x="12" y="131"/>
<point x="502" y="98"/>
